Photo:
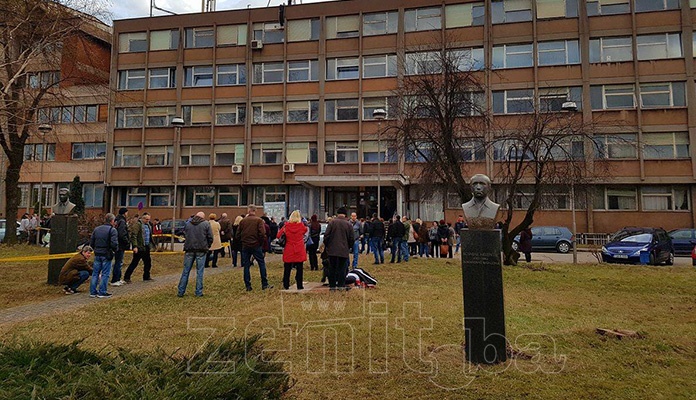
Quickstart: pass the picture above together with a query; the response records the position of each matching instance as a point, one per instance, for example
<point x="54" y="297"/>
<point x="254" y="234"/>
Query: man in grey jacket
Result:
<point x="338" y="242"/>
<point x="199" y="237"/>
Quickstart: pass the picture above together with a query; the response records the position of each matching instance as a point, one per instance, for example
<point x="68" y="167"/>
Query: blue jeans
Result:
<point x="118" y="263"/>
<point x="404" y="250"/>
<point x="81" y="278"/>
<point x="356" y="252"/>
<point x="459" y="243"/>
<point x="257" y="253"/>
<point x="189" y="257"/>
<point x="376" y="246"/>
<point x="423" y="250"/>
<point x="396" y="248"/>
<point x="100" y="274"/>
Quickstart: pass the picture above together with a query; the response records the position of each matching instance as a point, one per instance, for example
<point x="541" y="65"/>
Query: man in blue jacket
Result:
<point x="104" y="241"/>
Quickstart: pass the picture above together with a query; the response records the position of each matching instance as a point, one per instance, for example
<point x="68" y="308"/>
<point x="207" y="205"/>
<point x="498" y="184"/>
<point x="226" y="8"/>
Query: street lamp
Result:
<point x="379" y="114"/>
<point x="572" y="107"/>
<point x="44" y="129"/>
<point x="177" y="123"/>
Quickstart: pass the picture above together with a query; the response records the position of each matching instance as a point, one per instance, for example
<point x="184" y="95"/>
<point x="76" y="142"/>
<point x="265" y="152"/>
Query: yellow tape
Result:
<point x="68" y="255"/>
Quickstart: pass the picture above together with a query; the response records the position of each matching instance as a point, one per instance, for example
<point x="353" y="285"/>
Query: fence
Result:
<point x="593" y="239"/>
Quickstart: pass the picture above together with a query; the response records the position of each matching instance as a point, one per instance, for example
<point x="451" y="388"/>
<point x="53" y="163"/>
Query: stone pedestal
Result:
<point x="484" y="312"/>
<point x="63" y="240"/>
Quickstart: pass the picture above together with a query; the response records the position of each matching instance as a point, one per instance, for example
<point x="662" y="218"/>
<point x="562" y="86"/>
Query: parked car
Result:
<point x="278" y="249"/>
<point x="179" y="226"/>
<point x="558" y="238"/>
<point x="683" y="241"/>
<point x="626" y="245"/>
<point x="3" y="227"/>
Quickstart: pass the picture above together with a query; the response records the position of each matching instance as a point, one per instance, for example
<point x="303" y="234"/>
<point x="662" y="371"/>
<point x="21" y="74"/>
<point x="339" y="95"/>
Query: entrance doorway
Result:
<point x="362" y="200"/>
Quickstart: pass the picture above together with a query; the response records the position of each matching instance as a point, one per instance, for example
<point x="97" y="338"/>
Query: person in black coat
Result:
<point x="396" y="233"/>
<point x="525" y="245"/>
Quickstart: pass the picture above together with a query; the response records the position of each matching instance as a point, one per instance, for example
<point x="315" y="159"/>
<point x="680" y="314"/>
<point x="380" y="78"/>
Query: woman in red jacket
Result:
<point x="294" y="253"/>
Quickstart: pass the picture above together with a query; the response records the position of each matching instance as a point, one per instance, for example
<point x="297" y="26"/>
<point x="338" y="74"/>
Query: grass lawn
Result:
<point x="403" y="339"/>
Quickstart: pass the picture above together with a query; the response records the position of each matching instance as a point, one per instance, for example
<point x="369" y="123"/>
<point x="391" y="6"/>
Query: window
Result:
<point x="459" y="15"/>
<point x="160" y="196"/>
<point x="164" y="40"/>
<point x="268" y="113"/>
<point x="608" y="7"/>
<point x="659" y="46"/>
<point x="228" y="196"/>
<point x="552" y="99"/>
<point x="346" y="26"/>
<point x="383" y="151"/>
<point x="269" y="72"/>
<point x="664" y="198"/>
<point x="303" y="71"/>
<point x="513" y="101"/>
<point x="616" y="146"/>
<point x="472" y="149"/>
<point x="423" y="19"/>
<point x="656" y="5"/>
<point x="200" y="37"/>
<point x="371" y="104"/>
<point x="132" y="79"/>
<point x="303" y="29"/>
<point x="382" y="23"/>
<point x="162" y="78"/>
<point x="198" y="76"/>
<point x="562" y="52"/>
<point x="419" y="152"/>
<point x="232" y="35"/>
<point x="611" y="49"/>
<point x="503" y="11"/>
<point x="615" y="198"/>
<point x="341" y="152"/>
<point x="136" y="195"/>
<point x="199" y="196"/>
<point x="129" y="117"/>
<point x="195" y="155"/>
<point x="301" y="153"/>
<point x="268" y="194"/>
<point x="342" y="110"/>
<point x="158" y="156"/>
<point x="88" y="151"/>
<point x="132" y="42"/>
<point x="511" y="149"/>
<point x="568" y="148"/>
<point x="35" y="152"/>
<point x="269" y="32"/>
<point x="24" y="195"/>
<point x="86" y="114"/>
<point x="342" y="68"/>
<point x="607" y="97"/>
<point x="231" y="74"/>
<point x="469" y="103"/>
<point x="379" y="66"/>
<point x="303" y="111"/>
<point x="43" y="79"/>
<point x="68" y="114"/>
<point x="266" y="153"/>
<point x="230" y="114"/>
<point x="427" y="62"/>
<point x="659" y="95"/>
<point x="229" y="154"/>
<point x="93" y="194"/>
<point x="556" y="8"/>
<point x="513" y="56"/>
<point x="197" y="115"/>
<point x="468" y="59"/>
<point x="160" y="116"/>
<point x="665" y="145"/>
<point x="127" y="156"/>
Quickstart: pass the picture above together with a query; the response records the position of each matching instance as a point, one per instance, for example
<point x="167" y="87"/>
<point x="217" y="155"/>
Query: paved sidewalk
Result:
<point x="28" y="312"/>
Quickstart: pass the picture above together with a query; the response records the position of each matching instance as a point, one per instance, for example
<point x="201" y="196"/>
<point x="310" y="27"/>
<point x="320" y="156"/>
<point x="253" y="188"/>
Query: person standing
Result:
<point x="225" y="233"/>
<point x="458" y="226"/>
<point x="157" y="241"/>
<point x="525" y="245"/>
<point x="443" y="234"/>
<point x="357" y="234"/>
<point x="252" y="234"/>
<point x="140" y="237"/>
<point x="123" y="245"/>
<point x="76" y="271"/>
<point x="104" y="241"/>
<point x="315" y="235"/>
<point x="217" y="243"/>
<point x="396" y="233"/>
<point x="415" y="245"/>
<point x="294" y="252"/>
<point x="235" y="244"/>
<point x="434" y="241"/>
<point x="376" y="234"/>
<point x="423" y="240"/>
<point x="199" y="238"/>
<point x="404" y="249"/>
<point x="338" y="240"/>
<point x="24" y="228"/>
<point x="273" y="228"/>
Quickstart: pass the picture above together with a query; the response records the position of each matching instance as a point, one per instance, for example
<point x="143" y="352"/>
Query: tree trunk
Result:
<point x="510" y="256"/>
<point x="12" y="197"/>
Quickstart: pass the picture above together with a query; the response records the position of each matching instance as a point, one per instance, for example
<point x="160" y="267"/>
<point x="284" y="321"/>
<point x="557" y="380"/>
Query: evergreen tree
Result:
<point x="76" y="195"/>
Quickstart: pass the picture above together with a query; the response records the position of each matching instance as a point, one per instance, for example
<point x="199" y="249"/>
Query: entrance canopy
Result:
<point x="395" y="180"/>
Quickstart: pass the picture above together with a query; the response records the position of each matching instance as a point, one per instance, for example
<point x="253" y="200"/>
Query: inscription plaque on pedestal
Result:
<point x="63" y="240"/>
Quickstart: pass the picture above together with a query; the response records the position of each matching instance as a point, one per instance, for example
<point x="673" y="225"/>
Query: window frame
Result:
<point x="263" y="71"/>
<point x="195" y="72"/>
<point x="614" y="146"/>
<point x="312" y="68"/>
<point x="128" y="82"/>
<point x="679" y="143"/>
<point x="512" y="50"/>
<point x="200" y="37"/>
<point x="261" y="116"/>
<point x="412" y="16"/>
<point x="567" y="53"/>
<point x="598" y="44"/>
<point x="187" y="150"/>
<point x="312" y="111"/>
<point x="124" y="114"/>
<point x="132" y="153"/>
<point x="99" y="148"/>
<point x="260" y="153"/>
<point x="153" y="155"/>
<point x="239" y="73"/>
<point x="335" y="150"/>
<point x="669" y="38"/>
<point x="170" y="77"/>
<point x="239" y="114"/>
<point x="334" y="68"/>
<point x="385" y="61"/>
<point x="390" y="21"/>
<point x="333" y="108"/>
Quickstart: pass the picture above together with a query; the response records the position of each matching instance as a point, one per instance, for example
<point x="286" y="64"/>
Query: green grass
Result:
<point x="551" y="317"/>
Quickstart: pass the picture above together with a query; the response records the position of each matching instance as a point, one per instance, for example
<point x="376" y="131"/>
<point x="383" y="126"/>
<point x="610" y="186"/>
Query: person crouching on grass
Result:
<point x="76" y="271"/>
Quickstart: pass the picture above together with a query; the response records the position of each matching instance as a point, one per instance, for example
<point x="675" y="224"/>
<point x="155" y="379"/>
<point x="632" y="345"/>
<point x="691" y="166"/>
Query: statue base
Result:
<point x="63" y="240"/>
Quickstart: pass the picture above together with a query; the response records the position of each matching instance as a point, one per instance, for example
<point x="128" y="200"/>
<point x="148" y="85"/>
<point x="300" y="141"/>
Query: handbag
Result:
<point x="282" y="240"/>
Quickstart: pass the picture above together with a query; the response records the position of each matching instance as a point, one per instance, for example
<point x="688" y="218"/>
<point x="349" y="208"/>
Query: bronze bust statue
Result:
<point x="63" y="206"/>
<point x="480" y="211"/>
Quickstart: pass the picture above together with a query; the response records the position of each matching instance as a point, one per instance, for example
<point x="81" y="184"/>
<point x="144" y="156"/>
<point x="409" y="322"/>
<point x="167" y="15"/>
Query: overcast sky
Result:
<point x="141" y="8"/>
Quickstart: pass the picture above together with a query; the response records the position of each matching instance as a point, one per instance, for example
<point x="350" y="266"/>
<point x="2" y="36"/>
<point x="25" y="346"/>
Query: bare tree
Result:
<point x="44" y="49"/>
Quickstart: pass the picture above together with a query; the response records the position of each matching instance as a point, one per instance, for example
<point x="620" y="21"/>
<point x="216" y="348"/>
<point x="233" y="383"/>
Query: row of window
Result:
<point x="202" y="196"/>
<point x="382" y="23"/>
<point x="80" y="151"/>
<point x="68" y="114"/>
<point x="92" y="194"/>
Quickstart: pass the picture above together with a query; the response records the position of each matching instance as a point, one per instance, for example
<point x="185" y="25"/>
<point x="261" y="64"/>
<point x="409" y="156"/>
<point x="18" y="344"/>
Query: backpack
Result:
<point x="432" y="234"/>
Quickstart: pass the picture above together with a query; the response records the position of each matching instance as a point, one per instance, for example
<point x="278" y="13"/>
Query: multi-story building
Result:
<point x="279" y="110"/>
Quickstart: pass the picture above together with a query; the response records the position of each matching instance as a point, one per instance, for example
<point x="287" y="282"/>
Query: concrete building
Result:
<point x="277" y="103"/>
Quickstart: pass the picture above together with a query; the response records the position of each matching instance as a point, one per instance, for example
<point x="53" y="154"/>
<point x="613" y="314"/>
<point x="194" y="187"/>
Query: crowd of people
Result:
<point x="33" y="229"/>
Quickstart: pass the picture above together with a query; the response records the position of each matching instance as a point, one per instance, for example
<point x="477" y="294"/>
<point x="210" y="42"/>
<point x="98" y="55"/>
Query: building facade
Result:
<point x="277" y="104"/>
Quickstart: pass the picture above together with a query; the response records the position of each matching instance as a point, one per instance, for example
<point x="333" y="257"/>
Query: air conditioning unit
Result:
<point x="288" y="167"/>
<point x="237" y="169"/>
<point x="256" y="44"/>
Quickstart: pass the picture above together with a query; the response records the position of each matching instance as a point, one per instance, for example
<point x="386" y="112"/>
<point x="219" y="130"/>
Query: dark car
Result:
<point x="179" y="226"/>
<point x="683" y="241"/>
<point x="558" y="238"/>
<point x="627" y="245"/>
